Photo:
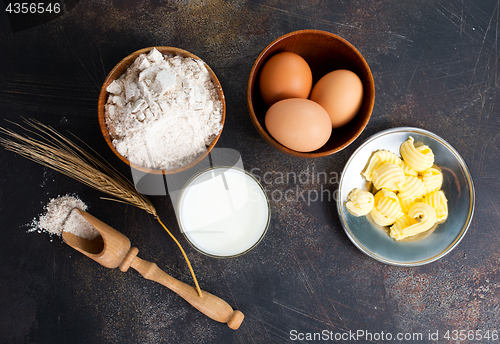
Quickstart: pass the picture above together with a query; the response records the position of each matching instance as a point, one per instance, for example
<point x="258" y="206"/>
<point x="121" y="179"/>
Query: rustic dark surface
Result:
<point x="435" y="65"/>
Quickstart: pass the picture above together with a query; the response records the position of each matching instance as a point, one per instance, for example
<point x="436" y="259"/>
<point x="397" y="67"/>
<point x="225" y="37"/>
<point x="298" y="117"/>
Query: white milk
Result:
<point x="223" y="212"/>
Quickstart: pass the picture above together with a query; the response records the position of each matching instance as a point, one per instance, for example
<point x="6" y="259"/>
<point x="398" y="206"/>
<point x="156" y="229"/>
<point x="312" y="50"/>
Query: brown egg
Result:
<point x="299" y="124"/>
<point x="341" y="93"/>
<point x="285" y="75"/>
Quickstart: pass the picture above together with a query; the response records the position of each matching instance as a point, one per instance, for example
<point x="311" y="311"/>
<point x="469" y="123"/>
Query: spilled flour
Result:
<point x="58" y="216"/>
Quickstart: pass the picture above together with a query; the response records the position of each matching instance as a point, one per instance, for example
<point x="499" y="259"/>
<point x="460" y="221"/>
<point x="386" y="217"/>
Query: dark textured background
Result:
<point x="435" y="65"/>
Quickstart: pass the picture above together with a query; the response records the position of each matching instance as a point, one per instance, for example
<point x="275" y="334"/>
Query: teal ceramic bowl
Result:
<point x="458" y="187"/>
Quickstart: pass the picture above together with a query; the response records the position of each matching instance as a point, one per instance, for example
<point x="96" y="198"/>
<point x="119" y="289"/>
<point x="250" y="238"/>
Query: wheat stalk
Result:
<point x="49" y="148"/>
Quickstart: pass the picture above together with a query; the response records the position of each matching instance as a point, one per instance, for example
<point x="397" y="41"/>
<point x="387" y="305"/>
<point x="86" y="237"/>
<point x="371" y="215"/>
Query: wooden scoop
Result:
<point x="112" y="249"/>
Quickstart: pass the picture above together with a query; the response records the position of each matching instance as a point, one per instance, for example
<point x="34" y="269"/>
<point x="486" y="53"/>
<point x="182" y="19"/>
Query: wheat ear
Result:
<point x="51" y="149"/>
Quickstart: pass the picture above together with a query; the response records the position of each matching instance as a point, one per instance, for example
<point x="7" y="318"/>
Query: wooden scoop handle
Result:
<point x="208" y="304"/>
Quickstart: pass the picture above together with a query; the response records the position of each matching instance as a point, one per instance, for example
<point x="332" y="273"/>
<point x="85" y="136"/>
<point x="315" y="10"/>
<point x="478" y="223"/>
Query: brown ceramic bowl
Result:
<point x="324" y="52"/>
<point x="118" y="70"/>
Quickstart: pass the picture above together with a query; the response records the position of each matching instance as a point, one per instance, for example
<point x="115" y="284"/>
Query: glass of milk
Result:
<point x="223" y="212"/>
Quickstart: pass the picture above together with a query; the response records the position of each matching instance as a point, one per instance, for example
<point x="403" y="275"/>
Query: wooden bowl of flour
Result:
<point x="118" y="71"/>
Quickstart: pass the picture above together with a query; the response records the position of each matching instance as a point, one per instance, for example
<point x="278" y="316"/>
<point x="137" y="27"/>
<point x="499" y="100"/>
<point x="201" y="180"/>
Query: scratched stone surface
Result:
<point x="435" y="66"/>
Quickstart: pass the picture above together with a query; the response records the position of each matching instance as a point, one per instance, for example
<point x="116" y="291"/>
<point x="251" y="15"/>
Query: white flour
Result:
<point x="59" y="216"/>
<point x="164" y="111"/>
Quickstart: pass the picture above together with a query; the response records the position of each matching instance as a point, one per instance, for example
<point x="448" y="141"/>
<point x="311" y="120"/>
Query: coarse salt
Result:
<point x="164" y="111"/>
